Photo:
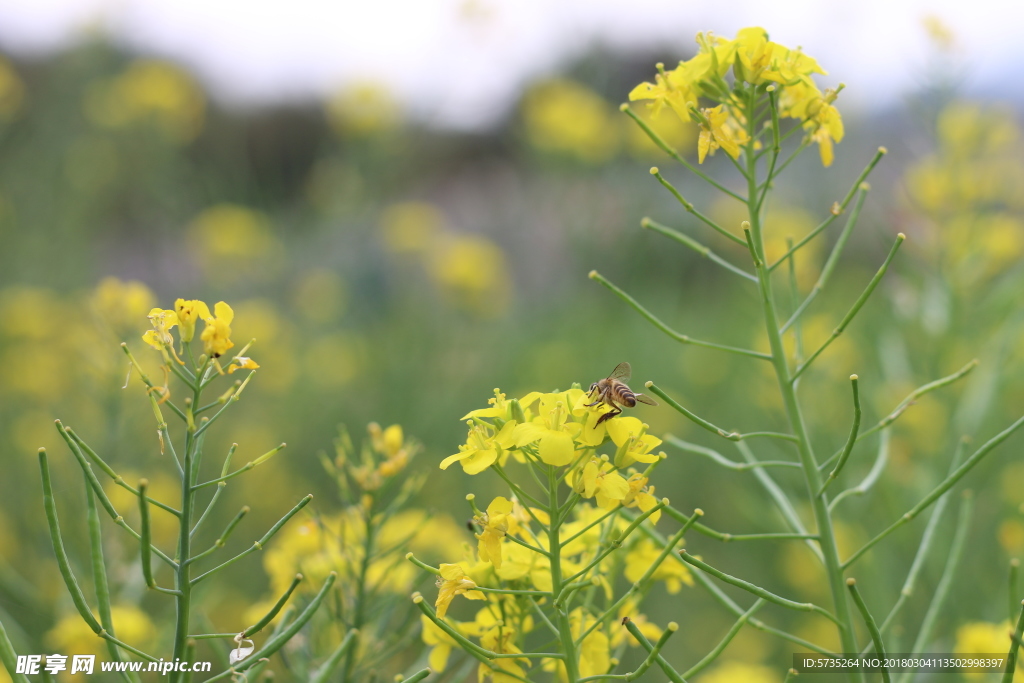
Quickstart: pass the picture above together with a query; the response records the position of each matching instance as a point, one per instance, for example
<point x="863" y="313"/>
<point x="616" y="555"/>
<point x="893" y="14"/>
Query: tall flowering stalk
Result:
<point x="183" y="567"/>
<point x="547" y="559"/>
<point x="770" y="83"/>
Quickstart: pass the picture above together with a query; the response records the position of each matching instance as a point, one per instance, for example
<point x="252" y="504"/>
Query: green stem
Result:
<point x="857" y="305"/>
<point x="50" y="507"/>
<point x="571" y="659"/>
<point x="182" y="579"/>
<point x="757" y="590"/>
<point x="1014" y="571"/>
<point x="724" y="461"/>
<point x="281" y="637"/>
<point x="835" y="214"/>
<point x="682" y="338"/>
<point x="690" y="208"/>
<point x="718" y="649"/>
<point x="956" y="550"/>
<point x="257" y="545"/>
<point x="852" y="438"/>
<point x="1011" y="658"/>
<point x="872" y="476"/>
<point x="146" y="540"/>
<point x="869" y="621"/>
<point x="696" y="246"/>
<point x="830" y="263"/>
<point x="675" y="155"/>
<point x="99" y="573"/>
<point x="798" y="427"/>
<point x="323" y="674"/>
<point x="666" y="668"/>
<point x="937" y="492"/>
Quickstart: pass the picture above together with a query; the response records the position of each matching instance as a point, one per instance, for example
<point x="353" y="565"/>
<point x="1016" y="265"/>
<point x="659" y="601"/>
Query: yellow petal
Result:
<point x="556" y="448"/>
<point x="620" y="429"/>
<point x="703" y="144"/>
<point x="499" y="506"/>
<point x="527" y="433"/>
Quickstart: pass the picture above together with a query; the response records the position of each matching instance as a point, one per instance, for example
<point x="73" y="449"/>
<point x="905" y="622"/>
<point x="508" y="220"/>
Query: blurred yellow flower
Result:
<point x="320" y="295"/>
<point x="120" y="305"/>
<point x="1011" y="536"/>
<point x="677" y="133"/>
<point x="30" y="313"/>
<point x="232" y="231"/>
<point x="939" y="32"/>
<point x="162" y="488"/>
<point x="72" y="635"/>
<point x="439" y="642"/>
<point x="471" y="269"/>
<point x="411" y="227"/>
<point x="738" y="672"/>
<point x="672" y="571"/>
<point x="12" y="90"/>
<point x="983" y="637"/>
<point x="149" y="90"/>
<point x="333" y="360"/>
<point x="568" y="117"/>
<point x="363" y="108"/>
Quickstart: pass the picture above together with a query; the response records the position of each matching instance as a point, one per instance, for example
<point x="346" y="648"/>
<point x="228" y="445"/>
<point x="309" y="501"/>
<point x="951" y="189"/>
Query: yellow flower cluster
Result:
<point x="520" y="557"/>
<point x="504" y="560"/>
<point x="216" y="337"/>
<point x="567" y="118"/>
<point x="149" y="90"/>
<point x="969" y="191"/>
<point x="470" y="270"/>
<point x="559" y="429"/>
<point x="754" y="60"/>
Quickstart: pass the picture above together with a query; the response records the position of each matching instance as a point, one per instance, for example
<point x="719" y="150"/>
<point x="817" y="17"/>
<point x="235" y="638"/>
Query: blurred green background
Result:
<point x="390" y="272"/>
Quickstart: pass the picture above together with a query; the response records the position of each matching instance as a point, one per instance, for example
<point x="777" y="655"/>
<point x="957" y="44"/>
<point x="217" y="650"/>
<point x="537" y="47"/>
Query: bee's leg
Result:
<point x="602" y="396"/>
<point x="609" y="415"/>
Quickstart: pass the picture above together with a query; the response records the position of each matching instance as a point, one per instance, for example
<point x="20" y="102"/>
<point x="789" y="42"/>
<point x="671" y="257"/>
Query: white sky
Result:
<point x="461" y="62"/>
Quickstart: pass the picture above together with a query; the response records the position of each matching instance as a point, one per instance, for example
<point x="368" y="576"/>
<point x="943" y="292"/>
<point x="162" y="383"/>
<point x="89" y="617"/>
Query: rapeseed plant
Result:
<point x="550" y="553"/>
<point x="197" y="374"/>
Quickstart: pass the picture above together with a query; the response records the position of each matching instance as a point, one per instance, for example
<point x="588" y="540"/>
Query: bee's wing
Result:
<point x="622" y="372"/>
<point x="644" y="398"/>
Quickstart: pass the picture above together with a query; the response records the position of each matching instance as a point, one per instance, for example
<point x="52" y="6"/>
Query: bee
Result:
<point x="613" y="392"/>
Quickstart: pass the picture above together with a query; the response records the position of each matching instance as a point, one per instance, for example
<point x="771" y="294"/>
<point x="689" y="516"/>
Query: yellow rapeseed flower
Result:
<point x="188" y="313"/>
<point x="551" y="431"/>
<point x="217" y="333"/>
<point x="160" y="336"/>
<point x="714" y="134"/>
<point x="452" y="582"/>
<point x="495" y="524"/>
<point x="484" y="446"/>
<point x="598" y="480"/>
<point x="641" y="495"/>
